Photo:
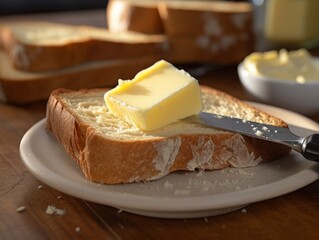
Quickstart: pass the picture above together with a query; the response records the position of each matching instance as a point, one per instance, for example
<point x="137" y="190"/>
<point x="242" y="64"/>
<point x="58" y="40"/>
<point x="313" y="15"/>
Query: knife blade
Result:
<point x="308" y="146"/>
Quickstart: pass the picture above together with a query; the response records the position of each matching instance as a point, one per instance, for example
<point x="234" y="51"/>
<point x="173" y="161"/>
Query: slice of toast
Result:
<point x="22" y="87"/>
<point x="111" y="151"/>
<point x="43" y="46"/>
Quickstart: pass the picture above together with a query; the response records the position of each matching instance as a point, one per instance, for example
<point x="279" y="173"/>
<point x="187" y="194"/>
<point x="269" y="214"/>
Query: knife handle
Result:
<point x="310" y="147"/>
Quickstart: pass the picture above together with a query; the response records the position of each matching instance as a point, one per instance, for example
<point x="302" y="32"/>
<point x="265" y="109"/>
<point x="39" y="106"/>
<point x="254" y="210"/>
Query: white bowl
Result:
<point x="299" y="97"/>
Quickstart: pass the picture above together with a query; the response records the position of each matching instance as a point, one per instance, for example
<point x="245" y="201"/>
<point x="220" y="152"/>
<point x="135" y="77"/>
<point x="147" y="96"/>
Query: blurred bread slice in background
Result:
<point x="134" y="15"/>
<point x="37" y="57"/>
<point x="20" y="87"/>
<point x="44" y="46"/>
<point x="213" y="18"/>
<point x="217" y="32"/>
<point x="207" y="49"/>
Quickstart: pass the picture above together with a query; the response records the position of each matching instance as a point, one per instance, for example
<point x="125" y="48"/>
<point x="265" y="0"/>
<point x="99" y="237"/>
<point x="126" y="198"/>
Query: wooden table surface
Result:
<point x="292" y="216"/>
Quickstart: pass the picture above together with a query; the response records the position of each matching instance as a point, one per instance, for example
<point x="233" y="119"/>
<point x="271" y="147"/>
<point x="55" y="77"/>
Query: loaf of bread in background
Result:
<point x="111" y="151"/>
<point x="44" y="46"/>
<point x="134" y="15"/>
<point x="208" y="31"/>
<point x="212" y="18"/>
<point x="216" y="32"/>
<point x="21" y="87"/>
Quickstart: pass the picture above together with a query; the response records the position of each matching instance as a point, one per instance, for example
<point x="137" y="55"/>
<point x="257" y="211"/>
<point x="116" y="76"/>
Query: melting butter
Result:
<point x="297" y="65"/>
<point x="157" y="96"/>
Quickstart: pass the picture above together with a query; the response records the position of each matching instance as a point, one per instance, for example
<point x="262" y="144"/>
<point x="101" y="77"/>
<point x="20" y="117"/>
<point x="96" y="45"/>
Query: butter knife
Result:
<point x="308" y="146"/>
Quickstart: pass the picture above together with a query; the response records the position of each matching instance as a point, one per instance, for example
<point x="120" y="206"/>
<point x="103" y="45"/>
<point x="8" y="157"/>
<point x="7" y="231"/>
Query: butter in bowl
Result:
<point x="288" y="79"/>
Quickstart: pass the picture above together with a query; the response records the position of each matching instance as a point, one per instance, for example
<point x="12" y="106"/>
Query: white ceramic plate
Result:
<point x="178" y="195"/>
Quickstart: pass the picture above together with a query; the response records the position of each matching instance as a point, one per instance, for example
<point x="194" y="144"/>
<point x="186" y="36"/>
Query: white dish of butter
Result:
<point x="286" y="79"/>
<point x="297" y="66"/>
<point x="180" y="194"/>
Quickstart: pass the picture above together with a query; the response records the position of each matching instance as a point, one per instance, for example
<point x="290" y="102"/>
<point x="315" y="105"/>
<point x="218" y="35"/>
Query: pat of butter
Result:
<point x="296" y="65"/>
<point x="157" y="96"/>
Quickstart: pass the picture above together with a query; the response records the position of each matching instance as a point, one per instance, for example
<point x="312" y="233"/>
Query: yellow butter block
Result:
<point x="157" y="96"/>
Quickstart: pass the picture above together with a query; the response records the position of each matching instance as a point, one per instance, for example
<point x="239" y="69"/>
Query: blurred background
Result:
<point x="34" y="6"/>
<point x="8" y="7"/>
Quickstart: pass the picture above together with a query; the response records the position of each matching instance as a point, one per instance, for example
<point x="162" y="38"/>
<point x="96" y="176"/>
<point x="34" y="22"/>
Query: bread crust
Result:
<point x="113" y="161"/>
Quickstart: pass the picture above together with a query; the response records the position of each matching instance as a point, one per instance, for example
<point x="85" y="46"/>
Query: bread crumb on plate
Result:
<point x="52" y="210"/>
<point x="21" y="209"/>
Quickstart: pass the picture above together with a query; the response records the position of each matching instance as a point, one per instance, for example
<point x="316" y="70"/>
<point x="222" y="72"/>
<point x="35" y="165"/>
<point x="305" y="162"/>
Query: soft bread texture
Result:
<point x="22" y="87"/>
<point x="44" y="46"/>
<point x="134" y="15"/>
<point x="111" y="151"/>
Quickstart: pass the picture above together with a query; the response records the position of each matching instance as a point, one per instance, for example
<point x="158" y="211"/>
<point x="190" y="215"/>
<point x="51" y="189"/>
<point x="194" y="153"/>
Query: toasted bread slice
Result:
<point x="20" y="87"/>
<point x="111" y="151"/>
<point x="43" y="46"/>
